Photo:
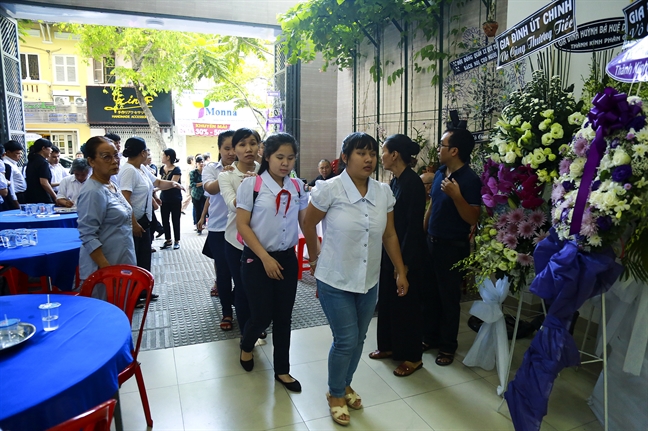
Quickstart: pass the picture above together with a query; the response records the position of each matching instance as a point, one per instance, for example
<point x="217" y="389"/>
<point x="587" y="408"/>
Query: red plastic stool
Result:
<point x="302" y="263"/>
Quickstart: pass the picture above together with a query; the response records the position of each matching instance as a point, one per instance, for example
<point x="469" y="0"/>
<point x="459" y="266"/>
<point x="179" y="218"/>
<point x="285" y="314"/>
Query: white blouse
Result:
<point x="274" y="224"/>
<point x="229" y="182"/>
<point x="352" y="245"/>
<point x="217" y="208"/>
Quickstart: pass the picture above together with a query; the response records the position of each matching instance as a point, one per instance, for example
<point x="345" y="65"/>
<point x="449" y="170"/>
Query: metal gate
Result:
<point x="12" y="115"/>
<point x="287" y="80"/>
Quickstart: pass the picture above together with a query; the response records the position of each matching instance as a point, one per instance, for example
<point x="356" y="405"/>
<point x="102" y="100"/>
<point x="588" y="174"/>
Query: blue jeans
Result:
<point x="349" y="315"/>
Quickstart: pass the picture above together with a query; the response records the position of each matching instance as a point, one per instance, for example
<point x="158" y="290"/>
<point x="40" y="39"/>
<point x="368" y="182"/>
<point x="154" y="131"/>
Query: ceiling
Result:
<point x="138" y="19"/>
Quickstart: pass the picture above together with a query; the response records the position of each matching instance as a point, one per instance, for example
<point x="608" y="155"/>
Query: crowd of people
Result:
<point x="394" y="245"/>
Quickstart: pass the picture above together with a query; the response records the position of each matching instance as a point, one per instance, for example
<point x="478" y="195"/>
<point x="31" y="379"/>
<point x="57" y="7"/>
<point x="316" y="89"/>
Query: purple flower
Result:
<point x="557" y="193"/>
<point x="604" y="222"/>
<point x="595" y="185"/>
<point x="524" y="259"/>
<point x="564" y="166"/>
<point x="538" y="218"/>
<point x="581" y="146"/>
<point x="622" y="173"/>
<point x="567" y="185"/>
<point x="510" y="241"/>
<point x="540" y="236"/>
<point x="588" y="227"/>
<point x="614" y="143"/>
<point x="516" y="215"/>
<point x="526" y="229"/>
<point x="630" y="136"/>
<point x="627" y="186"/>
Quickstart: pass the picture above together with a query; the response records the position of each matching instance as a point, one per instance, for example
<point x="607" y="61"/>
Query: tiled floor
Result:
<point x="203" y="387"/>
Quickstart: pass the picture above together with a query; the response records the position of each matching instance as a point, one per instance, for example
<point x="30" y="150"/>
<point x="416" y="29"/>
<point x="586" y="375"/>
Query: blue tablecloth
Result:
<point x="12" y="220"/>
<point x="56" y="255"/>
<point x="57" y="375"/>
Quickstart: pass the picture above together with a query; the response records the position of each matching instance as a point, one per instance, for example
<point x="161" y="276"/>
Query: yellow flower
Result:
<point x="544" y="125"/>
<point x="548" y="113"/>
<point x="502" y="266"/>
<point x="576" y="118"/>
<point x="557" y="131"/>
<point x="547" y="139"/>
<point x="492" y="232"/>
<point x="510" y="254"/>
<point x="526" y="126"/>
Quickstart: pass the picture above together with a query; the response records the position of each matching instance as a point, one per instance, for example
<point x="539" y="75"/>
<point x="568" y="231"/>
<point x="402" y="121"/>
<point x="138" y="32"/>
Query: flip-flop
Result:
<point x="406" y="370"/>
<point x="444" y="359"/>
<point x="226" y="323"/>
<point x="379" y="354"/>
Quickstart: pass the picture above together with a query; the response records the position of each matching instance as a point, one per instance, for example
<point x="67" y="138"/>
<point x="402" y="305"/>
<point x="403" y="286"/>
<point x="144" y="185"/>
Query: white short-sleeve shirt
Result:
<point x="352" y="245"/>
<point x="217" y="208"/>
<point x="275" y="223"/>
<point x="70" y="188"/>
<point x="229" y="182"/>
<point x="140" y="183"/>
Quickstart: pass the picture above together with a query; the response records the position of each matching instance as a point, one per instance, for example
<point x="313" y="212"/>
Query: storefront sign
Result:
<point x="124" y="108"/>
<point x="636" y="19"/>
<point x="207" y="129"/>
<point x="474" y="59"/>
<point x="595" y="36"/>
<point x="480" y="136"/>
<point x="39" y="106"/>
<point x="540" y="30"/>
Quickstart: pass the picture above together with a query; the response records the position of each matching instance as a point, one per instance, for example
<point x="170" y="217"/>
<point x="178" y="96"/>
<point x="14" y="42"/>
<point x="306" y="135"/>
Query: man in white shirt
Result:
<point x="70" y="186"/>
<point x="58" y="171"/>
<point x="13" y="154"/>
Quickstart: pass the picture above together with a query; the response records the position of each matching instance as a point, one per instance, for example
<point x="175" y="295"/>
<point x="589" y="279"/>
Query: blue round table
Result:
<point x="13" y="220"/>
<point x="57" y="375"/>
<point x="56" y="255"/>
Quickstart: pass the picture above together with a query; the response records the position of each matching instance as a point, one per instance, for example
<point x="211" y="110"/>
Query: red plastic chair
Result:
<point x="96" y="419"/>
<point x="18" y="283"/>
<point x="302" y="263"/>
<point x="124" y="285"/>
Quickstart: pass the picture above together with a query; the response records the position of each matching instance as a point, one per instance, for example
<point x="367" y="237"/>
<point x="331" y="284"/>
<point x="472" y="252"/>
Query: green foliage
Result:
<point x="337" y="28"/>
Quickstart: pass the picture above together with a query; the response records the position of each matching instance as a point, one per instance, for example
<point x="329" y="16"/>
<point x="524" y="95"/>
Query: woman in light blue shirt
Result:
<point x="105" y="227"/>
<point x="358" y="211"/>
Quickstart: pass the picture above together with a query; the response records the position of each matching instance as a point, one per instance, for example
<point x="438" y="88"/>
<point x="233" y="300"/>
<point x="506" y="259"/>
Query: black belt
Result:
<point x="450" y="242"/>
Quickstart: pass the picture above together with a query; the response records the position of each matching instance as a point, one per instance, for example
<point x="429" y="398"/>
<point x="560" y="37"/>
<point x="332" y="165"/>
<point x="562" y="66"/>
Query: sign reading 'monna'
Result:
<point x="540" y="30"/>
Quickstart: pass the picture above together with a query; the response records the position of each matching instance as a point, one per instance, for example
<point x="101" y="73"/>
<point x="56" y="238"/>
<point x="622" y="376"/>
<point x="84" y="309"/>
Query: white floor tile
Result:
<point x="250" y="401"/>
<point x="165" y="410"/>
<point x="158" y="368"/>
<point x="306" y="345"/>
<point x="395" y="415"/>
<point x="213" y="360"/>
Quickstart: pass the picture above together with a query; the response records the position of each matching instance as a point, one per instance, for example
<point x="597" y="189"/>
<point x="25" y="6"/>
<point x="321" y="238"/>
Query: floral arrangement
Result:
<point x="540" y="118"/>
<point x="525" y="156"/>
<point x="615" y="212"/>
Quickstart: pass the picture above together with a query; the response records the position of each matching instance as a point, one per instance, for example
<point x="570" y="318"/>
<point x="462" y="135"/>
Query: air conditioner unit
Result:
<point x="62" y="101"/>
<point x="79" y="101"/>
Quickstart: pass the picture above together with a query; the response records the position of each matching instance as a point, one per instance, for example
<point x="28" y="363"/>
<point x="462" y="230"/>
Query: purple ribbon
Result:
<point x="611" y="111"/>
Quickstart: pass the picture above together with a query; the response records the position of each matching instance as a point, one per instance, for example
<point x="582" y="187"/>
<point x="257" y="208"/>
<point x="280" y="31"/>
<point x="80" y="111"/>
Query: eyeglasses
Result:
<point x="109" y="157"/>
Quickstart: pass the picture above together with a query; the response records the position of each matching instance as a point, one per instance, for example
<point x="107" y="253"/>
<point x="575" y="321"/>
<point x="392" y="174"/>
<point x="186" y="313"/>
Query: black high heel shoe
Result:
<point x="167" y="244"/>
<point x="247" y="365"/>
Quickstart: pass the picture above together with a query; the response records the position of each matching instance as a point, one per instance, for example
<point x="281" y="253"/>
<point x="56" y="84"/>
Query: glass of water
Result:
<point x="50" y="315"/>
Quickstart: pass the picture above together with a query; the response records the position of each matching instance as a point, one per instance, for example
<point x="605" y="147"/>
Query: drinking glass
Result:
<point x="50" y="315"/>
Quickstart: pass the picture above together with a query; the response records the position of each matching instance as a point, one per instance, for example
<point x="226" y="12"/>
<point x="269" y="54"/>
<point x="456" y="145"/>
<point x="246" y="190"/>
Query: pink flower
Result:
<point x="500" y="236"/>
<point x="516" y="216"/>
<point x="563" y="167"/>
<point x="537" y="218"/>
<point x="512" y="229"/>
<point x="580" y="147"/>
<point x="524" y="259"/>
<point x="510" y="241"/>
<point x="540" y="236"/>
<point x="557" y="193"/>
<point x="526" y="229"/>
<point x="630" y="136"/>
<point x="588" y="226"/>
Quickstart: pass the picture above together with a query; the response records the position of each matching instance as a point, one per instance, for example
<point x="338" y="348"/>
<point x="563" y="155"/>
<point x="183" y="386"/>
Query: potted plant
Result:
<point x="490" y="26"/>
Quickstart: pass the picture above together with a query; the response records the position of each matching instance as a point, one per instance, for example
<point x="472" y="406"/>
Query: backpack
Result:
<point x="257" y="187"/>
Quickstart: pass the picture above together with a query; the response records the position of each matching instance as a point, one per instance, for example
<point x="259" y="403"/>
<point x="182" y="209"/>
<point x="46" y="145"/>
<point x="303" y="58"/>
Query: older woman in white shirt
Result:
<point x="246" y="147"/>
<point x="358" y="214"/>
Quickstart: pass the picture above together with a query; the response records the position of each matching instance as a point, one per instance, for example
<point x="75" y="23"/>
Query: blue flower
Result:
<point x="604" y="223"/>
<point x="637" y="123"/>
<point x="595" y="185"/>
<point x="622" y="173"/>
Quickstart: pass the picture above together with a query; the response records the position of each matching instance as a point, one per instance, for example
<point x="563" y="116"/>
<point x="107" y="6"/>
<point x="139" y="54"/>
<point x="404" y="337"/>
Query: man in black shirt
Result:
<point x="454" y="209"/>
<point x="326" y="172"/>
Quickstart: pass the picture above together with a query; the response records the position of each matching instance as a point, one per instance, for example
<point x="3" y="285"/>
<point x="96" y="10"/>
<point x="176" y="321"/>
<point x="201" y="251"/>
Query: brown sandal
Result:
<point x="226" y="323"/>
<point x="214" y="290"/>
<point x="404" y="370"/>
<point x="379" y="354"/>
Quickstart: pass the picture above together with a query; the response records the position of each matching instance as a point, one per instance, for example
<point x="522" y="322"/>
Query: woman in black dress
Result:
<point x="399" y="316"/>
<point x="38" y="175"/>
<point x="171" y="199"/>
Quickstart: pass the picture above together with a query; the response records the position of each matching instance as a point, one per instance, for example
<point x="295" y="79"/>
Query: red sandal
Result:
<point x="226" y="323"/>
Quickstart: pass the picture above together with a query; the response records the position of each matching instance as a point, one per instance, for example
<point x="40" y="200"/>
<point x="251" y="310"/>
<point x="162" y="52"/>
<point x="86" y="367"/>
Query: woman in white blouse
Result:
<point x="246" y="147"/>
<point x="269" y="209"/>
<point x="359" y="218"/>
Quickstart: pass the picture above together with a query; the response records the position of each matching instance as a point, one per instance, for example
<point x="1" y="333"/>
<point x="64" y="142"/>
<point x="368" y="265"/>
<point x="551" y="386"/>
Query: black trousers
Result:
<point x="143" y="249"/>
<point x="216" y="242"/>
<point x="442" y="295"/>
<point x="233" y="257"/>
<point x="173" y="209"/>
<point x="270" y="301"/>
<point x="399" y="317"/>
<point x="198" y="205"/>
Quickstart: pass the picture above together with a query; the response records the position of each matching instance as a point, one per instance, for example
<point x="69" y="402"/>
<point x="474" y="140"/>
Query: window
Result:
<point x="29" y="66"/>
<point x="65" y="69"/>
<point x="66" y="142"/>
<point x="102" y="70"/>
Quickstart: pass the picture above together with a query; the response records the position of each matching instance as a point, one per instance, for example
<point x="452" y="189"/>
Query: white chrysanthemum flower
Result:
<point x="595" y="240"/>
<point x="640" y="150"/>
